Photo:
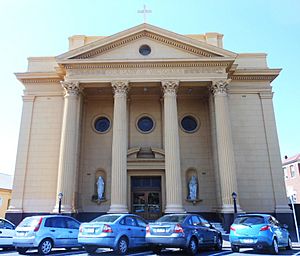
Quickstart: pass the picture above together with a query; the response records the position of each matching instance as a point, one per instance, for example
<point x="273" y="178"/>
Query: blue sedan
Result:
<point x="187" y="231"/>
<point x="259" y="231"/>
<point x="116" y="231"/>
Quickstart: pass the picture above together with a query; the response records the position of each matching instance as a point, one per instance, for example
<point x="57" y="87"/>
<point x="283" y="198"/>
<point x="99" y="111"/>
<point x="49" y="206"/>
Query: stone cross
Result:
<point x="144" y="11"/>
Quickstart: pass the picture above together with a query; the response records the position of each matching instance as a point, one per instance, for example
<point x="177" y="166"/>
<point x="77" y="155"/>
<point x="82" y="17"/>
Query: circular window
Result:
<point x="145" y="124"/>
<point x="102" y="124"/>
<point x="145" y="50"/>
<point x="189" y="124"/>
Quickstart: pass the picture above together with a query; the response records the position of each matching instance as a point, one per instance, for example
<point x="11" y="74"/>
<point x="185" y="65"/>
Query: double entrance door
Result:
<point x="146" y="197"/>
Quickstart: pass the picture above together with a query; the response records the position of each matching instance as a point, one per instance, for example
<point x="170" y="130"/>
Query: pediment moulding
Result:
<point x="184" y="43"/>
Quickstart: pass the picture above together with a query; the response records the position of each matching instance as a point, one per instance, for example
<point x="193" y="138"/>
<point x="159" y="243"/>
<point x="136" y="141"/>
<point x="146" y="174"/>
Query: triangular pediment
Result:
<point x="164" y="45"/>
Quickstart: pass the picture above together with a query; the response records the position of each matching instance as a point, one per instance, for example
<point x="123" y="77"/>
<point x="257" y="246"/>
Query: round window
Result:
<point x="189" y="124"/>
<point x="102" y="124"/>
<point x="145" y="50"/>
<point x="145" y="124"/>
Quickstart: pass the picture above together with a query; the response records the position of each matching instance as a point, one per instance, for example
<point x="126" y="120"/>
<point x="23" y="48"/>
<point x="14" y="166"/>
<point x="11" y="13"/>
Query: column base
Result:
<point x="229" y="208"/>
<point x="64" y="209"/>
<point x="174" y="208"/>
<point x="118" y="208"/>
<point x="283" y="208"/>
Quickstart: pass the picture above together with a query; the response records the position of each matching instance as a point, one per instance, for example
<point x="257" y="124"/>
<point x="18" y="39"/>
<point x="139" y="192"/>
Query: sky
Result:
<point x="41" y="28"/>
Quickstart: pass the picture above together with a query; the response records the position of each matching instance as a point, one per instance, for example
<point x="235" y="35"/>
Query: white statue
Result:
<point x="193" y="186"/>
<point x="100" y="187"/>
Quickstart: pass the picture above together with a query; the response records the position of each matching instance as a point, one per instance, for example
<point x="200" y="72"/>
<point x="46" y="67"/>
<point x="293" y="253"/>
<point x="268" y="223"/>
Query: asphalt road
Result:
<point x="168" y="252"/>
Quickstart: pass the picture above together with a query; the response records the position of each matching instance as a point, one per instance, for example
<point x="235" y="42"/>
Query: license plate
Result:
<point x="247" y="241"/>
<point x="21" y="233"/>
<point x="160" y="230"/>
<point x="89" y="230"/>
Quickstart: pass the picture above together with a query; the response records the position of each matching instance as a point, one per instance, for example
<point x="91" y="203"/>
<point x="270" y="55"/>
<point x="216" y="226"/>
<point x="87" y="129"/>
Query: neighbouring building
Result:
<point x="291" y="170"/>
<point x="150" y="122"/>
<point x="6" y="182"/>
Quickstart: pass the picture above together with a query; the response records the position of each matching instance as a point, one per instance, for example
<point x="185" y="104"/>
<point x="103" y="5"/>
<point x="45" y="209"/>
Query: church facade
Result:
<point x="150" y="122"/>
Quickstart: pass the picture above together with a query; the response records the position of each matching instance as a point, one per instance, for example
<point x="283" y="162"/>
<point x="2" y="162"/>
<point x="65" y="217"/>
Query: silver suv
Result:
<point x="46" y="232"/>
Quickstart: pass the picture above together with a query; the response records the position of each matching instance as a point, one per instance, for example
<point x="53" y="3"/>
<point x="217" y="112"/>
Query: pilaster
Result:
<point x="172" y="153"/>
<point x="16" y="205"/>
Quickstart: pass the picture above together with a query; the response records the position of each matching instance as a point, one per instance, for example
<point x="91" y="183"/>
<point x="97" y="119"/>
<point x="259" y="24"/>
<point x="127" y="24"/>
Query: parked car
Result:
<point x="116" y="231"/>
<point x="186" y="231"/>
<point x="259" y="231"/>
<point x="7" y="231"/>
<point x="45" y="233"/>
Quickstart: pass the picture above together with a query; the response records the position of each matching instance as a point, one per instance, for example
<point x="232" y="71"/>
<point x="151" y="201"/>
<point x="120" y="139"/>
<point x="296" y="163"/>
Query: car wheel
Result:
<point x="122" y="246"/>
<point x="193" y="247"/>
<point x="156" y="249"/>
<point x="235" y="248"/>
<point x="21" y="250"/>
<point x="289" y="246"/>
<point x="45" y="247"/>
<point x="90" y="248"/>
<point x="219" y="243"/>
<point x="274" y="248"/>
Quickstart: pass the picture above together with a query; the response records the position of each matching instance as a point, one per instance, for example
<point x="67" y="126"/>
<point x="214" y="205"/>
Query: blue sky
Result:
<point x="41" y="28"/>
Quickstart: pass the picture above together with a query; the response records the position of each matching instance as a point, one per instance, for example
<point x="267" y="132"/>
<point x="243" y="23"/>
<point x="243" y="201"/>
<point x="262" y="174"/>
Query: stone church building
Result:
<point x="147" y="111"/>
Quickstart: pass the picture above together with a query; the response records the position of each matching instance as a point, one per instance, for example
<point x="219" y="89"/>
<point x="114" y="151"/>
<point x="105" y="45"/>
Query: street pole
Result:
<point x="234" y="196"/>
<point x="294" y="213"/>
<point x="60" y="196"/>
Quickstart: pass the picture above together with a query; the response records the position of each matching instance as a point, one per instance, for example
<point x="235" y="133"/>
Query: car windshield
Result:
<point x="249" y="220"/>
<point x="172" y="218"/>
<point x="30" y="222"/>
<point x="106" y="218"/>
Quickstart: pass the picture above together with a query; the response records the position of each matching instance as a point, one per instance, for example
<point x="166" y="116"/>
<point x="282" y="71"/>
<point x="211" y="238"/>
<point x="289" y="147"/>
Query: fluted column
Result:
<point x="172" y="152"/>
<point x="68" y="164"/>
<point x="226" y="162"/>
<point x="119" y="149"/>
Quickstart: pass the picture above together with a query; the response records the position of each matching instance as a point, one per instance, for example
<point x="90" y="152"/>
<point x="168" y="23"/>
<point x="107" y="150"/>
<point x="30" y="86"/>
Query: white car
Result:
<point x="7" y="231"/>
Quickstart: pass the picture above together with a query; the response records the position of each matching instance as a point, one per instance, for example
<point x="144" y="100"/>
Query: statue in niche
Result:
<point x="193" y="187"/>
<point x="100" y="188"/>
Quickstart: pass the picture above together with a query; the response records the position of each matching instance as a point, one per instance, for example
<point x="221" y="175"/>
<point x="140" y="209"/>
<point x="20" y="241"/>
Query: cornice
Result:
<point x="38" y="77"/>
<point x="226" y="63"/>
<point x="255" y="74"/>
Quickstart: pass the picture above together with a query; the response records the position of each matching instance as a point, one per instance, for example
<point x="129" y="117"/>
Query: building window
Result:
<point x="145" y="50"/>
<point x="189" y="124"/>
<point x="102" y="124"/>
<point x="145" y="124"/>
<point x="285" y="173"/>
<point x="292" y="171"/>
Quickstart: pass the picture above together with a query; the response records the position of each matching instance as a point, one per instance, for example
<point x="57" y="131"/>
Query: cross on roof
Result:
<point x="145" y="11"/>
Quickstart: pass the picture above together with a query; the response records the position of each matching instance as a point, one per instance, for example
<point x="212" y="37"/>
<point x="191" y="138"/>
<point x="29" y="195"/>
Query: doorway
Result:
<point x="146" y="196"/>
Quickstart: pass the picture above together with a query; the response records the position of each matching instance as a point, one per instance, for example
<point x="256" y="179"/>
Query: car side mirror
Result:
<point x="285" y="226"/>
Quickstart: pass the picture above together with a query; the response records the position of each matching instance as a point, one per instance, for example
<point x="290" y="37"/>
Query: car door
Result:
<point x="277" y="230"/>
<point x="210" y="232"/>
<point x="72" y="229"/>
<point x="7" y="231"/>
<point x="284" y="233"/>
<point x="128" y="227"/>
<point x="56" y="228"/>
<point x="196" y="228"/>
<point x="141" y="231"/>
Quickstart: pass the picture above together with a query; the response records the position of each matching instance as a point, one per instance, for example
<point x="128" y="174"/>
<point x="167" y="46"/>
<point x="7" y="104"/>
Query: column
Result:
<point x="226" y="162"/>
<point x="172" y="152"/>
<point x="119" y="149"/>
<point x="16" y="205"/>
<point x="69" y="147"/>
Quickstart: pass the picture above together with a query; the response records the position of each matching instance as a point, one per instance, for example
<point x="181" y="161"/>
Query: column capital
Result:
<point x="71" y="88"/>
<point x="170" y="86"/>
<point x="219" y="87"/>
<point x="120" y="87"/>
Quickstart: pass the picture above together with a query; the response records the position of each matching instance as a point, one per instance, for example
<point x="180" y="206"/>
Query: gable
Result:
<point x="165" y="44"/>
